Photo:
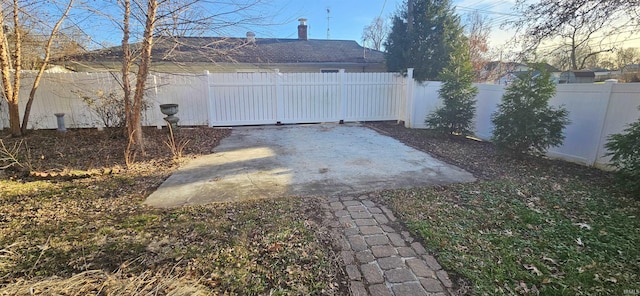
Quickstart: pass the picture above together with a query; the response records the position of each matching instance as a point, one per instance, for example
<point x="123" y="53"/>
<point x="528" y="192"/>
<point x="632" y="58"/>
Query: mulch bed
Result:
<point x="482" y="158"/>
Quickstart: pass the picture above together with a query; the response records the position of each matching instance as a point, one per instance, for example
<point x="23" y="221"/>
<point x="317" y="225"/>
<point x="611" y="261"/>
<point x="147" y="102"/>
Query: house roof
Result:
<point x="240" y="50"/>
<point x="583" y="73"/>
<point x="510" y="66"/>
<point x="597" y="69"/>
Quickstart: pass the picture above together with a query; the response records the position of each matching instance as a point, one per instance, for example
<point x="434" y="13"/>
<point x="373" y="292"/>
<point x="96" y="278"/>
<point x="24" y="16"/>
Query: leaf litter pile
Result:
<point x="72" y="223"/>
<point x="528" y="226"/>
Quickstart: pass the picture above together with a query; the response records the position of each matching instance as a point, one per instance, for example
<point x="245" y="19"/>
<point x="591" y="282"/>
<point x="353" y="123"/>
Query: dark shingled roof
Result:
<point x="583" y="73"/>
<point x="239" y="50"/>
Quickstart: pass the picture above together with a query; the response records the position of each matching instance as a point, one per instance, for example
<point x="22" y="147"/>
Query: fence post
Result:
<point x="279" y="107"/>
<point x="408" y="108"/>
<point x="343" y="101"/>
<point x="599" y="145"/>
<point x="210" y="104"/>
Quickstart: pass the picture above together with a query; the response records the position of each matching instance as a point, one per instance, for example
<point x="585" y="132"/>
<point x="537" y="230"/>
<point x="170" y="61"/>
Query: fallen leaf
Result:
<point x="583" y="226"/>
<point x="523" y="287"/>
<point x="545" y="258"/>
<point x="533" y="269"/>
<point x="275" y="247"/>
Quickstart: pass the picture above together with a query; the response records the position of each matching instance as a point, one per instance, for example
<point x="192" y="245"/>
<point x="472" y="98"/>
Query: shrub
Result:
<point x="458" y="96"/>
<point x="108" y="106"/>
<point x="624" y="150"/>
<point x="524" y="122"/>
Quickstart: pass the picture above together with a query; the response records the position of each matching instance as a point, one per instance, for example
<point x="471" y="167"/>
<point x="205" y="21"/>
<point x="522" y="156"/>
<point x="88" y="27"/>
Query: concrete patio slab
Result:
<point x="327" y="160"/>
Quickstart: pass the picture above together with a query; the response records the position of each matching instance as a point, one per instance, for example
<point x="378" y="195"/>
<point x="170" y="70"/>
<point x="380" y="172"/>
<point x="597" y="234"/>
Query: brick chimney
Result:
<point x="302" y="29"/>
<point x="251" y="37"/>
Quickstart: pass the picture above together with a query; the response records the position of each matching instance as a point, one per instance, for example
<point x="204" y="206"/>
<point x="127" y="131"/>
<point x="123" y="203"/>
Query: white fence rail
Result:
<point x="226" y="99"/>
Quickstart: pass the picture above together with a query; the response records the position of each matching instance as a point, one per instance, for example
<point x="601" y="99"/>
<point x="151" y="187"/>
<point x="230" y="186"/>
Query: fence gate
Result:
<point x="269" y="98"/>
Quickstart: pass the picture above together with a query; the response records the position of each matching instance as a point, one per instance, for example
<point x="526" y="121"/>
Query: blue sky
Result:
<point x="349" y="17"/>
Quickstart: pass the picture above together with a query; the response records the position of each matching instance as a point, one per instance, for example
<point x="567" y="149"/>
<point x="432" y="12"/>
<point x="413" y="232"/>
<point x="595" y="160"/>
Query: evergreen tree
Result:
<point x="427" y="43"/>
<point x="457" y="93"/>
<point x="524" y="122"/>
<point x="624" y="149"/>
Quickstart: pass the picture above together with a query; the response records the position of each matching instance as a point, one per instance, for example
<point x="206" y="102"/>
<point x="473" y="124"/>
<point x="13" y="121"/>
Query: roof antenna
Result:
<point x="328" y="18"/>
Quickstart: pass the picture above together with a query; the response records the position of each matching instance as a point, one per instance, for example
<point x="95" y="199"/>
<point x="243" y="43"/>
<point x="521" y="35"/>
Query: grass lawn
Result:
<point x="528" y="226"/>
<point x="77" y="227"/>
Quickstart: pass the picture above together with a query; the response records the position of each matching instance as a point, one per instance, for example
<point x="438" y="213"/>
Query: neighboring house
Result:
<point x="250" y="54"/>
<point x="602" y="74"/>
<point x="506" y="72"/>
<point x="577" y="76"/>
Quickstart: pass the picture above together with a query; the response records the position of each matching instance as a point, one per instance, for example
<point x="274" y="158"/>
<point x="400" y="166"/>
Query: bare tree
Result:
<point x="11" y="59"/>
<point x="581" y="41"/>
<point x="627" y="56"/>
<point x="164" y="20"/>
<point x="582" y="28"/>
<point x="477" y="30"/>
<point x="374" y="34"/>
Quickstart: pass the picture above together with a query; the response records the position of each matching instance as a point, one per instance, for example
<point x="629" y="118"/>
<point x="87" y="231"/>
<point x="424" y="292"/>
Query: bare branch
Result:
<point x="45" y="62"/>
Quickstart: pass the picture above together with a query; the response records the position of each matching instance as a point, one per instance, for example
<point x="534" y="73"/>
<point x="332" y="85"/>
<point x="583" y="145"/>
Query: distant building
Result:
<point x="602" y="74"/>
<point x="504" y="73"/>
<point x="577" y="76"/>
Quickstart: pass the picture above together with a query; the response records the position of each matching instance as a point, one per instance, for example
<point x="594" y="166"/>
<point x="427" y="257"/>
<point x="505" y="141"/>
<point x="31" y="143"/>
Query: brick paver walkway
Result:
<point x="380" y="257"/>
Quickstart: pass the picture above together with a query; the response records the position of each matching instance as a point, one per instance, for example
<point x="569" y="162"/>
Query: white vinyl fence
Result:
<point x="595" y="110"/>
<point x="229" y="99"/>
<point x="268" y="98"/>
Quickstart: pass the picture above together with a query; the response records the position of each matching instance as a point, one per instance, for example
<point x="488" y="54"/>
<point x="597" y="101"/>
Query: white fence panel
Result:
<point x="4" y="114"/>
<point x="487" y="100"/>
<point x="372" y="96"/>
<point x="242" y="99"/>
<point x="425" y="100"/>
<point x="309" y="97"/>
<point x="587" y="105"/>
<point x="622" y="110"/>
<point x="189" y="91"/>
<point x="61" y="93"/>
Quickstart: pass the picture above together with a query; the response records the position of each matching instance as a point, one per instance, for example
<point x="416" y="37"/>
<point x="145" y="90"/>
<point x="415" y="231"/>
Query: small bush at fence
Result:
<point x="624" y="150"/>
<point x="524" y="122"/>
<point x="108" y="106"/>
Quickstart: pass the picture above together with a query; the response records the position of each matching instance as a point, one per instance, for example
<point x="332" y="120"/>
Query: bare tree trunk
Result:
<point x="126" y="67"/>
<point x="143" y="73"/>
<point x="574" y="62"/>
<point x="7" y="89"/>
<point x="45" y="62"/>
<point x="14" y="111"/>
